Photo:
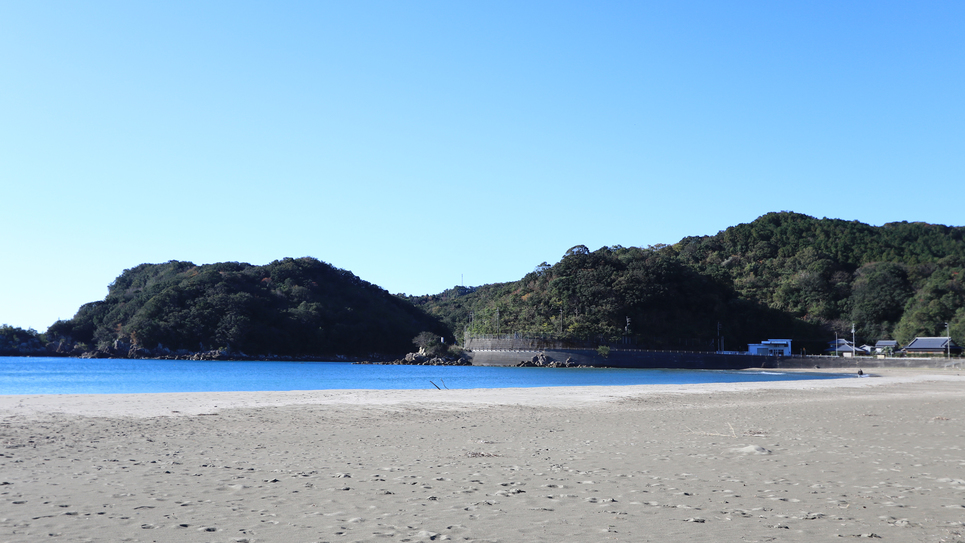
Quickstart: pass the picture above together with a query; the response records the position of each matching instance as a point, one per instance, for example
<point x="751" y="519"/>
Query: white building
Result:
<point x="771" y="347"/>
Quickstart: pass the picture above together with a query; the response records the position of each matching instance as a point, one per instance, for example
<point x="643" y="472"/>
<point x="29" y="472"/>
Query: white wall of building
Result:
<point x="771" y="347"/>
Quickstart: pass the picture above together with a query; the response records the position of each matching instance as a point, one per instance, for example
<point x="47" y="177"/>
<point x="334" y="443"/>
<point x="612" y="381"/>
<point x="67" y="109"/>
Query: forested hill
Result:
<point x="783" y="275"/>
<point x="895" y="281"/>
<point x="297" y="307"/>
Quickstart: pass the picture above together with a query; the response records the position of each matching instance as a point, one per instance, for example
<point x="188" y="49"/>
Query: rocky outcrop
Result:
<point x="64" y="347"/>
<point x="96" y="354"/>
<point x="122" y="349"/>
<point x="419" y="359"/>
<point x="543" y="361"/>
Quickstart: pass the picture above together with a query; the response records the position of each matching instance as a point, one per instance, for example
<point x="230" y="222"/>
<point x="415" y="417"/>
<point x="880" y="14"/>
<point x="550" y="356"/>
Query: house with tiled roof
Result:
<point x="932" y="345"/>
<point x="843" y="347"/>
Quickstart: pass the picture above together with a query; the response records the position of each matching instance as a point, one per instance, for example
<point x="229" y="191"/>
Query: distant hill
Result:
<point x="782" y="275"/>
<point x="296" y="307"/>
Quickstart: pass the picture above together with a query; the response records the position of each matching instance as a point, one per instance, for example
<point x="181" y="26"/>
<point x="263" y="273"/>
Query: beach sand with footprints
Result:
<point x="881" y="457"/>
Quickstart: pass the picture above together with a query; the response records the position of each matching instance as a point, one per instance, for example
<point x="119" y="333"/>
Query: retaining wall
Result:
<point x="803" y="362"/>
<point x="619" y="358"/>
<point x="630" y="358"/>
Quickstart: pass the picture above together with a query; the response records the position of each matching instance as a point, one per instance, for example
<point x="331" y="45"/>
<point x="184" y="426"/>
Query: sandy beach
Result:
<point x="867" y="458"/>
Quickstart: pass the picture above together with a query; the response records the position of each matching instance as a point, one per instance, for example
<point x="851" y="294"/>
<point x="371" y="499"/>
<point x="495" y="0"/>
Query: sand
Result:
<point x="878" y="457"/>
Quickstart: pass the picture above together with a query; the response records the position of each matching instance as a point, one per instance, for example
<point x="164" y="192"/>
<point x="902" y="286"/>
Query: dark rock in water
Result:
<point x="418" y="359"/>
<point x="543" y="361"/>
<point x="540" y="360"/>
<point x="415" y="358"/>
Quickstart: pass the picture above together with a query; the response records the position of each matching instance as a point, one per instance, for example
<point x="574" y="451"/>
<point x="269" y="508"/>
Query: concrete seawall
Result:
<point x="629" y="358"/>
<point x="799" y="362"/>
<point x="620" y="358"/>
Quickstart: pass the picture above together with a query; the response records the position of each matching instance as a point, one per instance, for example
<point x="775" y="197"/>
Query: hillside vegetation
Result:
<point x="296" y="307"/>
<point x="783" y="275"/>
<point x="15" y="341"/>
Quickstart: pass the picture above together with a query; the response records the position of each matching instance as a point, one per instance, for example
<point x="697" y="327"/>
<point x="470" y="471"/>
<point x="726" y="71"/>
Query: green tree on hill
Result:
<point x="289" y="307"/>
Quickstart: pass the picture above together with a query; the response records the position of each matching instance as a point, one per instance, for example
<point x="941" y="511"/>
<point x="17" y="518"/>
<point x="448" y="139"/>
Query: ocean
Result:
<point x="22" y="375"/>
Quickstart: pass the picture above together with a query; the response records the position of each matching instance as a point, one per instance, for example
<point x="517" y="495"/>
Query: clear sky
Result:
<point x="426" y="144"/>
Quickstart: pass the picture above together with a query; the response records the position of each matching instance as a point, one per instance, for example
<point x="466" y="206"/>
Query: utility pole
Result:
<point x="853" y="344"/>
<point x="948" y="342"/>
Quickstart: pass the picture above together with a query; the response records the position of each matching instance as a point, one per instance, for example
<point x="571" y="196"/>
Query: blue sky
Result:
<point x="425" y="144"/>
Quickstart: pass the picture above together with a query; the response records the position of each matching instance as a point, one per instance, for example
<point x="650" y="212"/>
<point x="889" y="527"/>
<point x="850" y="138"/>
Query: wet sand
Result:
<point x="878" y="457"/>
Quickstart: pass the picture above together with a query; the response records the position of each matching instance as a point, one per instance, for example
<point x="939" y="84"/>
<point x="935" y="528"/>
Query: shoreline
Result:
<point x="196" y="403"/>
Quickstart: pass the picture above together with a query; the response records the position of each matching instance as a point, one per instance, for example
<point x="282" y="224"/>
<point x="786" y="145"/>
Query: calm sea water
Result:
<point x="106" y="376"/>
